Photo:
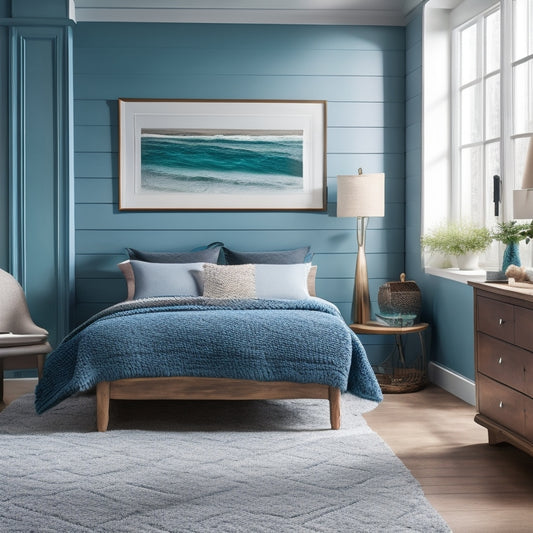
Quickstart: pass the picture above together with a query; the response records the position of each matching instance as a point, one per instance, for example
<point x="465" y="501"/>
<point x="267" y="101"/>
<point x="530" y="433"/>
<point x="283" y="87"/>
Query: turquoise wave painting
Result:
<point x="221" y="161"/>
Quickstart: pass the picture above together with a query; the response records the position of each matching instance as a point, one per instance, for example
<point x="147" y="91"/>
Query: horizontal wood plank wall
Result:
<point x="359" y="71"/>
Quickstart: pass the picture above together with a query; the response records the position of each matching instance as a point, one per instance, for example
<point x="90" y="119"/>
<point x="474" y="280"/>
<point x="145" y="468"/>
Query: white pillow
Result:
<point x="165" y="279"/>
<point x="287" y="282"/>
<point x="262" y="281"/>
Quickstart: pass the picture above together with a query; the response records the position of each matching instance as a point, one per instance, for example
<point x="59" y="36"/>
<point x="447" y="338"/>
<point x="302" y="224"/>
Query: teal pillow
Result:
<point x="282" y="257"/>
<point x="209" y="254"/>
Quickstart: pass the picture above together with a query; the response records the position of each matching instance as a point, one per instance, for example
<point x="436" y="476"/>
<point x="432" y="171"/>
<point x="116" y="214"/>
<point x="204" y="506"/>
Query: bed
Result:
<point x="249" y="331"/>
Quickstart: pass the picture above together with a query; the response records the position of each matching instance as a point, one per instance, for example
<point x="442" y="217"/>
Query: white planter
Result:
<point x="468" y="261"/>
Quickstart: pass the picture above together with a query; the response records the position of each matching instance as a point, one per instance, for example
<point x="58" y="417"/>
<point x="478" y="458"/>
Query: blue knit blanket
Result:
<point x="305" y="341"/>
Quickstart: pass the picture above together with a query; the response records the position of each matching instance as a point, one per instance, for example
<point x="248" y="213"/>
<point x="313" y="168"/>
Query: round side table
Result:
<point x="396" y="373"/>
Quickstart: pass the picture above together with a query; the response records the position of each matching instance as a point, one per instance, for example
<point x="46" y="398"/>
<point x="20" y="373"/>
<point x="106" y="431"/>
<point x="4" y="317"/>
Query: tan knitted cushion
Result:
<point x="229" y="281"/>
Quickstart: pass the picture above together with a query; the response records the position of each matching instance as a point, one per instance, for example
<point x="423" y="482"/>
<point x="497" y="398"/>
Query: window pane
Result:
<point x="492" y="107"/>
<point x="472" y="196"/>
<point x="522" y="97"/>
<point x="522" y="28"/>
<point x="471" y="118"/>
<point x="468" y="51"/>
<point x="492" y="42"/>
<point x="519" y="28"/>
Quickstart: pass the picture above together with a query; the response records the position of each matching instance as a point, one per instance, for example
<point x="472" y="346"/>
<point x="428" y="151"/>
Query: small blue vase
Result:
<point x="511" y="256"/>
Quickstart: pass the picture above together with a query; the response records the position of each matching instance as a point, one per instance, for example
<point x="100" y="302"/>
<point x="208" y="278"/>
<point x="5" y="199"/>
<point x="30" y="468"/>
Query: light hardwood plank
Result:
<point x="475" y="487"/>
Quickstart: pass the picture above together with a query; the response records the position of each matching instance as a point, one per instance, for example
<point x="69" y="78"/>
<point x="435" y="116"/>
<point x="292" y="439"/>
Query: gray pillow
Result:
<point x="282" y="257"/>
<point x="165" y="279"/>
<point x="207" y="255"/>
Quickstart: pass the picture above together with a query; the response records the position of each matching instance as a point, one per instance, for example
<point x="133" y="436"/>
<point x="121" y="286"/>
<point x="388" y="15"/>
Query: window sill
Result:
<point x="462" y="276"/>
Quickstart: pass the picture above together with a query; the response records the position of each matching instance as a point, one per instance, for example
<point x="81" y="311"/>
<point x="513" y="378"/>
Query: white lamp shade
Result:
<point x="523" y="203"/>
<point x="361" y="195"/>
<point x="523" y="198"/>
<point x="527" y="178"/>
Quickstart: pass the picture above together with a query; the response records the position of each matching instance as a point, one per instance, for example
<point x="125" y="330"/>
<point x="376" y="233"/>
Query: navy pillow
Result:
<point x="209" y="254"/>
<point x="282" y="257"/>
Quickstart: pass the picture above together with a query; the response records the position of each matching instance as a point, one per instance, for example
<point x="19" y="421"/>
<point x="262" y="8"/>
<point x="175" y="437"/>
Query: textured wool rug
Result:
<point x="203" y="466"/>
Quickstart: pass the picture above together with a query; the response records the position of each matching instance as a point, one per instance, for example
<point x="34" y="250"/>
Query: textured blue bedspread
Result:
<point x="304" y="341"/>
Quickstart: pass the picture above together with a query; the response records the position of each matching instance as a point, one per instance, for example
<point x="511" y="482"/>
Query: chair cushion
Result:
<point x="21" y="339"/>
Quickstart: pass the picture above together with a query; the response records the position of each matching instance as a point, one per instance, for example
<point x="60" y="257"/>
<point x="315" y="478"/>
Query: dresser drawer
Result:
<point x="503" y="362"/>
<point x="528" y="412"/>
<point x="495" y="318"/>
<point x="501" y="404"/>
<point x="524" y="327"/>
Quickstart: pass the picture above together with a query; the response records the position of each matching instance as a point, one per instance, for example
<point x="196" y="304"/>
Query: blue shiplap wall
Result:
<point x="359" y="71"/>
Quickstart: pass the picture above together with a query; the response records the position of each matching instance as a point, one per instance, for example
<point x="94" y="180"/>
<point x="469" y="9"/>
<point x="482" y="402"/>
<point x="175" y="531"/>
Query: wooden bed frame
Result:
<point x="189" y="388"/>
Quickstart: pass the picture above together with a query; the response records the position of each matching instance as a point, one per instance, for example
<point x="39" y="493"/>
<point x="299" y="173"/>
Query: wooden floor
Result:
<point x="475" y="487"/>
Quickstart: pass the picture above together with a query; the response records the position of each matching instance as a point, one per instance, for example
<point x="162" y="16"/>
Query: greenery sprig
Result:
<point x="527" y="233"/>
<point x="457" y="239"/>
<point x="512" y="232"/>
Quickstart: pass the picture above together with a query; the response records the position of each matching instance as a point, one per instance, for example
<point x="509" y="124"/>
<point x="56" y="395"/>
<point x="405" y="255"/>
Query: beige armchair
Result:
<point x="19" y="336"/>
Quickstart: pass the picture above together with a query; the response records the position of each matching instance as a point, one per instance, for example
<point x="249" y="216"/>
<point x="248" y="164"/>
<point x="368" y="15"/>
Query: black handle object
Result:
<point x="497" y="194"/>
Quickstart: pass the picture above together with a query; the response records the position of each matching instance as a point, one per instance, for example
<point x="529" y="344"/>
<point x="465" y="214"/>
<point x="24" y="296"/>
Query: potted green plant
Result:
<point x="511" y="233"/>
<point x="462" y="240"/>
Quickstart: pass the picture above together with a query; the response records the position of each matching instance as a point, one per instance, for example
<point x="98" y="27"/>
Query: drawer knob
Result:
<point x="500" y="322"/>
<point x="501" y="404"/>
<point x="500" y="360"/>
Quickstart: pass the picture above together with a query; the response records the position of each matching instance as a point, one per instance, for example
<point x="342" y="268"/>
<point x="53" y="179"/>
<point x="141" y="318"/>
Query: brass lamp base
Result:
<point x="361" y="298"/>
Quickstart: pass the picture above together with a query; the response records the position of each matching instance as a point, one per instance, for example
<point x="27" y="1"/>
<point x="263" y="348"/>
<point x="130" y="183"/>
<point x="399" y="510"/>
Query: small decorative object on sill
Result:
<point x="518" y="276"/>
<point x="511" y="256"/>
<point x="468" y="261"/>
<point x="511" y="233"/>
<point x="496" y="276"/>
<point x="399" y="303"/>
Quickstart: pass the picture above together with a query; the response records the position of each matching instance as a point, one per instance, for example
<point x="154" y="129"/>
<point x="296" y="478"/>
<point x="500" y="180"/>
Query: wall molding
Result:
<point x="352" y="17"/>
<point x="41" y="240"/>
<point x="454" y="383"/>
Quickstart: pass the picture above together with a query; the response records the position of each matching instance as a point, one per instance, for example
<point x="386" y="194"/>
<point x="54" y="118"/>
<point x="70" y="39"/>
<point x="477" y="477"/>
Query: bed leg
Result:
<point x="335" y="407"/>
<point x="102" y="405"/>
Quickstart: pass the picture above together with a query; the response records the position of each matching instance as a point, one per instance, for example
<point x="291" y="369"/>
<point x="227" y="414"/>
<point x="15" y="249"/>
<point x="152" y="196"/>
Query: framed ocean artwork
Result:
<point x="222" y="155"/>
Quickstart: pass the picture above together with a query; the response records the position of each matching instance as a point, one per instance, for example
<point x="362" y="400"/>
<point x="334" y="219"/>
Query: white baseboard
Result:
<point x="20" y="380"/>
<point x="454" y="383"/>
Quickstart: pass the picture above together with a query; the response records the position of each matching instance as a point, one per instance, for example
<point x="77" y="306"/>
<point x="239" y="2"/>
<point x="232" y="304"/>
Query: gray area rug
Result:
<point x="203" y="466"/>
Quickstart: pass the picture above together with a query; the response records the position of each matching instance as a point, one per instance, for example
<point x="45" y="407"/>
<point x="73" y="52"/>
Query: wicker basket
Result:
<point x="402" y="380"/>
<point x="397" y="298"/>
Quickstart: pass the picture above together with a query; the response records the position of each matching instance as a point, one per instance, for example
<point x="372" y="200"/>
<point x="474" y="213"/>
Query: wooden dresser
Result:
<point x="504" y="363"/>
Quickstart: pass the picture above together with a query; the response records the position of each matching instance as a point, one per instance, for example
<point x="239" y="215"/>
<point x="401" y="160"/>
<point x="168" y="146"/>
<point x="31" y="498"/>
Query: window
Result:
<point x="490" y="104"/>
<point x="522" y="84"/>
<point x="476" y="121"/>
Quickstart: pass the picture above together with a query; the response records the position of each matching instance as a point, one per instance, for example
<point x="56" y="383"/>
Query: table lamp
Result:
<point x="523" y="198"/>
<point x="362" y="196"/>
